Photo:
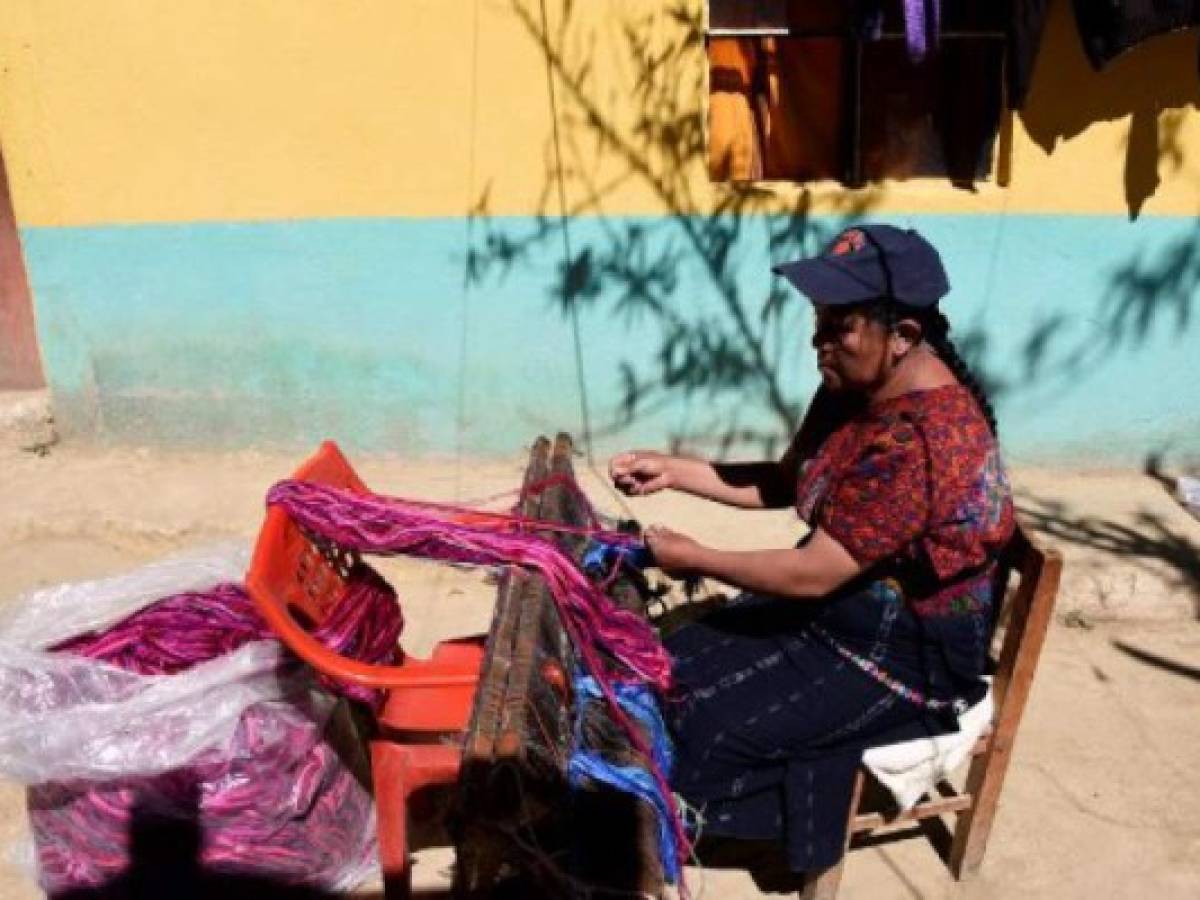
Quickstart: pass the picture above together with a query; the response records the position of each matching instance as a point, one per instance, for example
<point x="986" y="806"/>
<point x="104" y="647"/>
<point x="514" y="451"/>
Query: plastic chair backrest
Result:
<point x="294" y="584"/>
<point x="288" y="570"/>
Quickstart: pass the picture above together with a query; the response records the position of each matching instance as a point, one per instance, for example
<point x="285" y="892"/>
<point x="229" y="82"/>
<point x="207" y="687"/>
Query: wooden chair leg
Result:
<point x="823" y="885"/>
<point x="974" y="825"/>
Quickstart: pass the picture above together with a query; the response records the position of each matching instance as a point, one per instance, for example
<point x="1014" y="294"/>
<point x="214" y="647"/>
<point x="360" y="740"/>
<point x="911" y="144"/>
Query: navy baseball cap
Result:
<point x="868" y="262"/>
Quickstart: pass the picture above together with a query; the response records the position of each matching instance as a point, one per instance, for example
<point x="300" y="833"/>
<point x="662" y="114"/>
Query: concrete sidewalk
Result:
<point x="1102" y="790"/>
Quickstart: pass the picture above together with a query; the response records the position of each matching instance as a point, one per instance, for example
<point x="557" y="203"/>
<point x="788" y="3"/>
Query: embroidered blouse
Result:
<point x="915" y="490"/>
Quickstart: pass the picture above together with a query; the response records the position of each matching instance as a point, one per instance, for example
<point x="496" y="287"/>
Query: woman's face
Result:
<point x="851" y="348"/>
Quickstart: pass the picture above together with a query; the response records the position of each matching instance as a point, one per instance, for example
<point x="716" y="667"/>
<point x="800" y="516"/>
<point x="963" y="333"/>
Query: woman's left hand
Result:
<point x="676" y="554"/>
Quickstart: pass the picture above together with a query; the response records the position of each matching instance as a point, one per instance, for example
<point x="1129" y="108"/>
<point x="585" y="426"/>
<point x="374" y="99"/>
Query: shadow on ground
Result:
<point x="1150" y="538"/>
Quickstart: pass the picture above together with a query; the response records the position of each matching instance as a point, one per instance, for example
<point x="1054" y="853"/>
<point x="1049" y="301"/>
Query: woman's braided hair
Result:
<point x="935" y="328"/>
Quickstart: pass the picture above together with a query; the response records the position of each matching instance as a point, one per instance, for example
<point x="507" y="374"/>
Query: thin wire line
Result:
<point x="568" y="256"/>
<point x="465" y="323"/>
<point x="568" y="259"/>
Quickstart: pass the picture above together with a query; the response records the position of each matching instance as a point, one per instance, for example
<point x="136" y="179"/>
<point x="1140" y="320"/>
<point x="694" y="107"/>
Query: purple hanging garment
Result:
<point x="922" y="22"/>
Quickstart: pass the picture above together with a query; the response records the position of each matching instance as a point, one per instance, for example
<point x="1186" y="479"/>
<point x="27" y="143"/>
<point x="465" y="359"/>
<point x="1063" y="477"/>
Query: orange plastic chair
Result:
<point x="294" y="585"/>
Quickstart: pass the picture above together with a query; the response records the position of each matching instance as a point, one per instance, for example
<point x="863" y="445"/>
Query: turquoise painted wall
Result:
<point x="433" y="336"/>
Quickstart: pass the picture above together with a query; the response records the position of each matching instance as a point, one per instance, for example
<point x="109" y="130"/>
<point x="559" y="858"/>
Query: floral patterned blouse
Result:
<point x="915" y="490"/>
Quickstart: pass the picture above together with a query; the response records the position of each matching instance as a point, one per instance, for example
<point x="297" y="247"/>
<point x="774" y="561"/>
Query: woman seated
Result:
<point x="876" y="628"/>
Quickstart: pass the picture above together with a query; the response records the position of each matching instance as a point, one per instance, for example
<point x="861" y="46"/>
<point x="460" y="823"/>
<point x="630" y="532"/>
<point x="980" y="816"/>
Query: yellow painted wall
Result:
<point x="149" y="111"/>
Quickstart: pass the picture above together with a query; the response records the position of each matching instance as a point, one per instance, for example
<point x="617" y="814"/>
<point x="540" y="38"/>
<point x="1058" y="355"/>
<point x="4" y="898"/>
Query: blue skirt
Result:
<point x="770" y="723"/>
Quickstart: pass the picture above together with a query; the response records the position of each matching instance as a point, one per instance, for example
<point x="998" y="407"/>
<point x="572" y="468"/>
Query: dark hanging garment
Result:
<point x="1110" y="27"/>
<point x="1027" y="21"/>
<point x="968" y="116"/>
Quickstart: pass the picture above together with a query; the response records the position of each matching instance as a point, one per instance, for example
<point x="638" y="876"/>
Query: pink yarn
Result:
<point x="175" y="633"/>
<point x="389" y="525"/>
<point x="294" y="814"/>
<point x="278" y="802"/>
<point x="612" y="643"/>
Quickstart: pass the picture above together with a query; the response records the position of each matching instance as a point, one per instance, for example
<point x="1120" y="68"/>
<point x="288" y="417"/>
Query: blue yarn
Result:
<point x="586" y="765"/>
<point x="600" y="558"/>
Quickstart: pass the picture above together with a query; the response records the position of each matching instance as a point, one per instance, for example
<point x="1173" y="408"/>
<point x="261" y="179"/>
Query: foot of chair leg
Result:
<point x="389" y="770"/>
<point x="398" y="885"/>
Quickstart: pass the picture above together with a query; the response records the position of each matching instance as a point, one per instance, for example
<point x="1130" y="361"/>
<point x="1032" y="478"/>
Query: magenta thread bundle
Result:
<point x="276" y="800"/>
<point x="271" y="796"/>
<point x="615" y="645"/>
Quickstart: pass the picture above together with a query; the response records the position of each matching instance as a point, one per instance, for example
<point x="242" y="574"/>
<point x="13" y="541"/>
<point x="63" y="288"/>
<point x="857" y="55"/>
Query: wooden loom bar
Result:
<point x="514" y="769"/>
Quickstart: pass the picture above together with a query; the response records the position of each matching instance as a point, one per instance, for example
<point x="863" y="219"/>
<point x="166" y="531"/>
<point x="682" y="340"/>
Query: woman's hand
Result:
<point x="640" y="472"/>
<point x="676" y="554"/>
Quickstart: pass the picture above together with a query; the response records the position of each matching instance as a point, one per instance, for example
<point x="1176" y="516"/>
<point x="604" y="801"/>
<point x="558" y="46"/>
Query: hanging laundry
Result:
<point x="1025" y="28"/>
<point x="922" y="24"/>
<point x="1110" y="28"/>
<point x="735" y="143"/>
<point x="971" y="99"/>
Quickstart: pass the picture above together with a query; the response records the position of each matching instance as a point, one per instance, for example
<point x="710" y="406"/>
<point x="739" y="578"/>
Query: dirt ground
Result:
<point x="1103" y="789"/>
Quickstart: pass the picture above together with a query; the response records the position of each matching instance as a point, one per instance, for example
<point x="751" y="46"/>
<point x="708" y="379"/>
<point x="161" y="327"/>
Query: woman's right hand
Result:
<point x="640" y="472"/>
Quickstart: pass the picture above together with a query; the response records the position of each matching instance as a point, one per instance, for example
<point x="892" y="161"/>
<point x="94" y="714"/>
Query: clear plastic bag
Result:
<point x="43" y="618"/>
<point x="247" y="747"/>
<point x="66" y="717"/>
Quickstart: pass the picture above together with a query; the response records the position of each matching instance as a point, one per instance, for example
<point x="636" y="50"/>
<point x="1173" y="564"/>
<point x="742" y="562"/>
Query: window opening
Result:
<point x="799" y="92"/>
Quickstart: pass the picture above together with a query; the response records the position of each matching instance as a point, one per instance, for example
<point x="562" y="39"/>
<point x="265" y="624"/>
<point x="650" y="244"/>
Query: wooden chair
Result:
<point x="1028" y="610"/>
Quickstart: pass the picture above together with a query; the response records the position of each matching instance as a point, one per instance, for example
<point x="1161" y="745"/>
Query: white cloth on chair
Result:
<point x="912" y="769"/>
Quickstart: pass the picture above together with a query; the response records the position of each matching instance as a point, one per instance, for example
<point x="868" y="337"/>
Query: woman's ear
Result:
<point x="906" y="334"/>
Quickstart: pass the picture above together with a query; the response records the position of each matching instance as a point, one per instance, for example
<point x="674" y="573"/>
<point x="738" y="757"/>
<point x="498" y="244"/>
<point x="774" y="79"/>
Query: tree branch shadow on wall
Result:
<point x="1142" y="292"/>
<point x="1147" y="296"/>
<point x="729" y="350"/>
<point x="729" y="353"/>
<point x="1154" y="86"/>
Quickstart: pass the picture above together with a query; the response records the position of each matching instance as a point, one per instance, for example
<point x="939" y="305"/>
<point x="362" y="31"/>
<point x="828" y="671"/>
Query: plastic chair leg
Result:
<point x="399" y="771"/>
<point x="388" y="771"/>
